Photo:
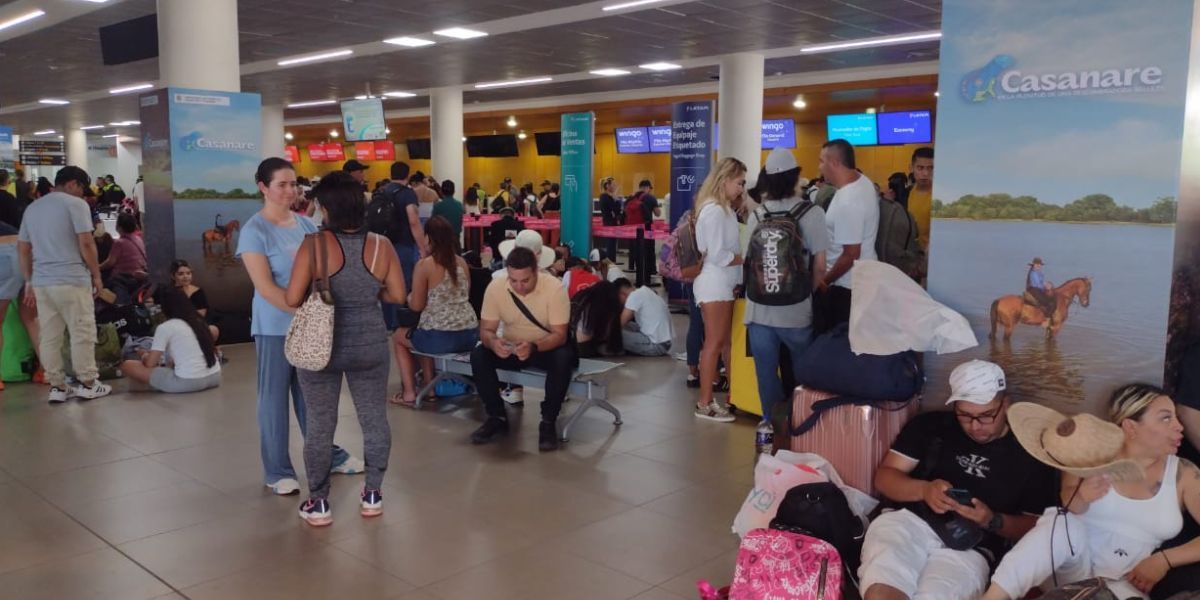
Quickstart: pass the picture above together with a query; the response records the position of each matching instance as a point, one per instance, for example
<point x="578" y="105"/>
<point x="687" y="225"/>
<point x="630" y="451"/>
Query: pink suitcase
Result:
<point x="854" y="439"/>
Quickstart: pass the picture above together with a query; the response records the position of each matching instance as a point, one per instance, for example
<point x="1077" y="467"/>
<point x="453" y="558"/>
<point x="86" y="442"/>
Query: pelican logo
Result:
<point x="1001" y="80"/>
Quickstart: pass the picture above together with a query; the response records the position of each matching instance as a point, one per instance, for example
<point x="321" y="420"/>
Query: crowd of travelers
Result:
<point x="988" y="499"/>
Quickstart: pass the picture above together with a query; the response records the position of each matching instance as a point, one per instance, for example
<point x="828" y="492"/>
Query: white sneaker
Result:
<point x="285" y="487"/>
<point x="98" y="389"/>
<point x="513" y="396"/>
<point x="351" y="466"/>
<point x="57" y="395"/>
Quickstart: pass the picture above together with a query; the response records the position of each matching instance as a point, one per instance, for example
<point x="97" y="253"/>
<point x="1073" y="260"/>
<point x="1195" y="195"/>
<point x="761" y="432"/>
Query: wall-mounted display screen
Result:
<point x="909" y="127"/>
<point x="858" y="129"/>
<point x="363" y="120"/>
<point x="632" y="140"/>
<point x="660" y="138"/>
<point x="492" y="146"/>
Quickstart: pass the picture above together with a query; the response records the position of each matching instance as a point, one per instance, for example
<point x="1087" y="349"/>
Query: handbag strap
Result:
<point x="320" y="258"/>
<point x="528" y="314"/>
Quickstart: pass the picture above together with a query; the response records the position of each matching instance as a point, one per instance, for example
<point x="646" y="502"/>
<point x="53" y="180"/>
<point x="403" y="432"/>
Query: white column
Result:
<point x="739" y="111"/>
<point x="446" y="131"/>
<point x="77" y="149"/>
<point x="272" y="131"/>
<point x="198" y="45"/>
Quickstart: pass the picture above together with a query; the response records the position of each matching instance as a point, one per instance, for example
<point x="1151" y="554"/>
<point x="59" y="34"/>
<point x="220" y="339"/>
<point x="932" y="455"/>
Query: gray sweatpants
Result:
<point x="366" y="371"/>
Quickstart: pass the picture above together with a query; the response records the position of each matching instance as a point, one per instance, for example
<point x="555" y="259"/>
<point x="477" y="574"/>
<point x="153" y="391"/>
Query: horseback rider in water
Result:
<point x="1038" y="291"/>
<point x="218" y="226"/>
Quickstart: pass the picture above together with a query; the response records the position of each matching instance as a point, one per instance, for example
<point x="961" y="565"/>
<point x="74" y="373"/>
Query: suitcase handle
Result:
<point x="820" y="406"/>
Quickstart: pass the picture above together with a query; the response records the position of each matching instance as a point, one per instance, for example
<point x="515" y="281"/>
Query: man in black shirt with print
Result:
<point x="960" y="478"/>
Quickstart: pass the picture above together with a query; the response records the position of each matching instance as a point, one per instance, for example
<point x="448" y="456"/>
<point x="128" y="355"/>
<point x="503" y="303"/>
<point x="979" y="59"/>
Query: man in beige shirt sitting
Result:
<point x="535" y="311"/>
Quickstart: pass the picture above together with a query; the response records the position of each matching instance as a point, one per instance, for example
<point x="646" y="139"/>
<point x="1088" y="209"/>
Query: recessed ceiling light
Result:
<point x="878" y="41"/>
<point x="125" y="123"/>
<point x="333" y="133"/>
<point x="29" y="16"/>
<point x="113" y="135"/>
<point x="54" y="101"/>
<point x="45" y="132"/>
<point x="361" y="97"/>
<point x="511" y="122"/>
<point x="512" y="82"/>
<point x="400" y="94"/>
<point x="131" y="88"/>
<point x="311" y="103"/>
<point x="91" y="127"/>
<point x="610" y="72"/>
<point x="799" y="103"/>
<point x="871" y="111"/>
<point x="660" y="66"/>
<point x="409" y="42"/>
<point x="96" y="1"/>
<point x="299" y="60"/>
<point x="522" y="135"/>
<point x="288" y="136"/>
<point x="632" y="4"/>
<point x="460" y="33"/>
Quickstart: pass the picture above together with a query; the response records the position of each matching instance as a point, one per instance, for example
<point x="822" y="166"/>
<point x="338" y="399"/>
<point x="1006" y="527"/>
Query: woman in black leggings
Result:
<point x="359" y="264"/>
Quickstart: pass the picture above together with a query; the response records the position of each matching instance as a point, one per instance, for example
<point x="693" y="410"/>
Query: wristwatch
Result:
<point x="996" y="523"/>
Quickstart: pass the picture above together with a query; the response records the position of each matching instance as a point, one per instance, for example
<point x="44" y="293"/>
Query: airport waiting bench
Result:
<point x="589" y="383"/>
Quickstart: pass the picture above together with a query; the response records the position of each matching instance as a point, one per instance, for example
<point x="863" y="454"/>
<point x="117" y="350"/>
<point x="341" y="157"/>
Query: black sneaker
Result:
<point x="492" y="427"/>
<point x="316" y="512"/>
<point x="547" y="437"/>
<point x="722" y="385"/>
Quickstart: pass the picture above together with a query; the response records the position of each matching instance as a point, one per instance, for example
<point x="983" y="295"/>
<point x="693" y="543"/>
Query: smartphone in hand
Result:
<point x="961" y="496"/>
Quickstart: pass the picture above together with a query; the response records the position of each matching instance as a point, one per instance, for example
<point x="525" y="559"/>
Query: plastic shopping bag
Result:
<point x="773" y="478"/>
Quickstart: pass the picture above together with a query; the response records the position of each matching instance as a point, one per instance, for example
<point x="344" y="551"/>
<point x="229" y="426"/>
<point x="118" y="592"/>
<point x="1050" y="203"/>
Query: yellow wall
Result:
<point x="877" y="162"/>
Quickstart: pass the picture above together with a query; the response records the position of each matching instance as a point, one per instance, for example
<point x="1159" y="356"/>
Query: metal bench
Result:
<point x="588" y="383"/>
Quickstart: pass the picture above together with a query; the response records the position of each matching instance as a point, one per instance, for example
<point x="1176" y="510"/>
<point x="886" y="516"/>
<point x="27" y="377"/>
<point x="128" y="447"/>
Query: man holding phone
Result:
<point x="961" y="467"/>
<point x="535" y="311"/>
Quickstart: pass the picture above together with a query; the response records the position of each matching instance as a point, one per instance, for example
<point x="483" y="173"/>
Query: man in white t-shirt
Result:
<point x="853" y="222"/>
<point x="645" y="322"/>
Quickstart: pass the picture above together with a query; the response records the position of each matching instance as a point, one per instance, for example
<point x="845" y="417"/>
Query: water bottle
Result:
<point x="764" y="439"/>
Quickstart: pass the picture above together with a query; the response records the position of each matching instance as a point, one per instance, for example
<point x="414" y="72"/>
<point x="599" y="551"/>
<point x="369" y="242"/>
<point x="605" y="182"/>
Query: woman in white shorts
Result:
<point x="1113" y="526"/>
<point x="717" y="238"/>
<point x="187" y="345"/>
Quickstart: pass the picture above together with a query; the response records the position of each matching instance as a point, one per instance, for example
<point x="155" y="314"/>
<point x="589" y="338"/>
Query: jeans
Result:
<point x="639" y="344"/>
<point x="409" y="255"/>
<point x="695" y="334"/>
<point x="430" y="341"/>
<point x="67" y="310"/>
<point x="276" y="379"/>
<point x="765" y="343"/>
<point x="559" y="365"/>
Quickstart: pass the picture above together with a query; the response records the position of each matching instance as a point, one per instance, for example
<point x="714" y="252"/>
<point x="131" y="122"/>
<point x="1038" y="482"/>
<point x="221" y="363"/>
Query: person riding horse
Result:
<point x="218" y="227"/>
<point x="1038" y="291"/>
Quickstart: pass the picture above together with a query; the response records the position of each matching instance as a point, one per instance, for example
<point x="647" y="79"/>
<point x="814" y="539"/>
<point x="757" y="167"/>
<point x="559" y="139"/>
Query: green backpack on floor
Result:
<point x="108" y="351"/>
<point x="17" y="362"/>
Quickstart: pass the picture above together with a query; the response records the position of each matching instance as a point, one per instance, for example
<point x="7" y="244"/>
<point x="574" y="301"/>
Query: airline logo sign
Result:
<point x="1000" y="79"/>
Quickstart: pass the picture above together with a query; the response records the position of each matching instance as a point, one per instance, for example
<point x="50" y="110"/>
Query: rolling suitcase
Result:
<point x="853" y="438"/>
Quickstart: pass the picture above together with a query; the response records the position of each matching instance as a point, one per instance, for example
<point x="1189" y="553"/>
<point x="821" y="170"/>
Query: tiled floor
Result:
<point x="141" y="496"/>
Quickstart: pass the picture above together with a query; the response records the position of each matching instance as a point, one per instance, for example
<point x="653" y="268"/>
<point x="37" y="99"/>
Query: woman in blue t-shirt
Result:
<point x="267" y="246"/>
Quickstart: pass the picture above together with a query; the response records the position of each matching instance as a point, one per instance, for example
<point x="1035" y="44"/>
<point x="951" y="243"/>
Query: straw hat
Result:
<point x="1082" y="445"/>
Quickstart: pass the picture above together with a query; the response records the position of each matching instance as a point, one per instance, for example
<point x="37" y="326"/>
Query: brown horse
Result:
<point x="219" y="235"/>
<point x="1010" y="310"/>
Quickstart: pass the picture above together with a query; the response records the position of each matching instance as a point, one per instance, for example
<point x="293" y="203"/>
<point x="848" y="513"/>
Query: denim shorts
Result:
<point x="429" y="341"/>
<point x="11" y="281"/>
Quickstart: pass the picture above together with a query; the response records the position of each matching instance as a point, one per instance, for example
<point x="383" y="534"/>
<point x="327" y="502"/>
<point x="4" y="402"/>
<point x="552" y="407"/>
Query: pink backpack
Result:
<point x="780" y="565"/>
<point x="680" y="258"/>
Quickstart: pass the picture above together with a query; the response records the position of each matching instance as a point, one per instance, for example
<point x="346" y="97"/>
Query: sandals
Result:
<point x="398" y="399"/>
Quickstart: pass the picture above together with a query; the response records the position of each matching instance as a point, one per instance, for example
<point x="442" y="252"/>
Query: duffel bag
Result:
<point x="831" y="366"/>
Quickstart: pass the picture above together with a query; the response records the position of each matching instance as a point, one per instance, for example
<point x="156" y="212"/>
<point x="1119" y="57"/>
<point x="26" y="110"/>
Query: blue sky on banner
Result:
<point x="216" y="147"/>
<point x="1109" y="121"/>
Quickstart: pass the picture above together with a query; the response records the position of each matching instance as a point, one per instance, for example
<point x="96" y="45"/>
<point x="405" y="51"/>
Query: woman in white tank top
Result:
<point x="1115" y="528"/>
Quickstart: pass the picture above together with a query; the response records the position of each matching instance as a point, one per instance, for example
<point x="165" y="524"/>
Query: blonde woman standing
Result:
<point x="718" y="240"/>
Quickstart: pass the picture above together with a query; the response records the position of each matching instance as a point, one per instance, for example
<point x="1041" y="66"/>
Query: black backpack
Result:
<point x="777" y="269"/>
<point x="820" y="510"/>
<point x="384" y="215"/>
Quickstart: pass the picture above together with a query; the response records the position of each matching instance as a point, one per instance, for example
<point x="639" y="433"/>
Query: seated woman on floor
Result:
<point x="596" y="317"/>
<point x="185" y="343"/>
<point x="1115" y="521"/>
<point x="128" y="256"/>
<point x="441" y="293"/>
<point x="181" y="277"/>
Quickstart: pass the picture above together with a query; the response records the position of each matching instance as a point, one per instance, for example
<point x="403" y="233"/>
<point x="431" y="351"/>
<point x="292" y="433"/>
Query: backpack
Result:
<point x="777" y="270"/>
<point x="680" y="258"/>
<point x="782" y="565"/>
<point x="634" y="214"/>
<point x="1088" y="589"/>
<point x="499" y="202"/>
<point x="820" y="510"/>
<point x="896" y="242"/>
<point x="383" y="213"/>
<point x="581" y="280"/>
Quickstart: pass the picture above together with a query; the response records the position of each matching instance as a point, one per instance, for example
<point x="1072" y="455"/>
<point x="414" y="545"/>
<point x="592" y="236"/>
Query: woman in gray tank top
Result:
<point x="364" y="270"/>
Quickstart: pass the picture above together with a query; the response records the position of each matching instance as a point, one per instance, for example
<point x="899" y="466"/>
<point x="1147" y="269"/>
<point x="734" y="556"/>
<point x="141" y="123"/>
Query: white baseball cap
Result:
<point x="977" y="382"/>
<point x="531" y="239"/>
<point x="780" y="160"/>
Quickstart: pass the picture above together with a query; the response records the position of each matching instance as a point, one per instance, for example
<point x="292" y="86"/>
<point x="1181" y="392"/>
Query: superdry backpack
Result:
<point x="776" y="271"/>
<point x="680" y="258"/>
